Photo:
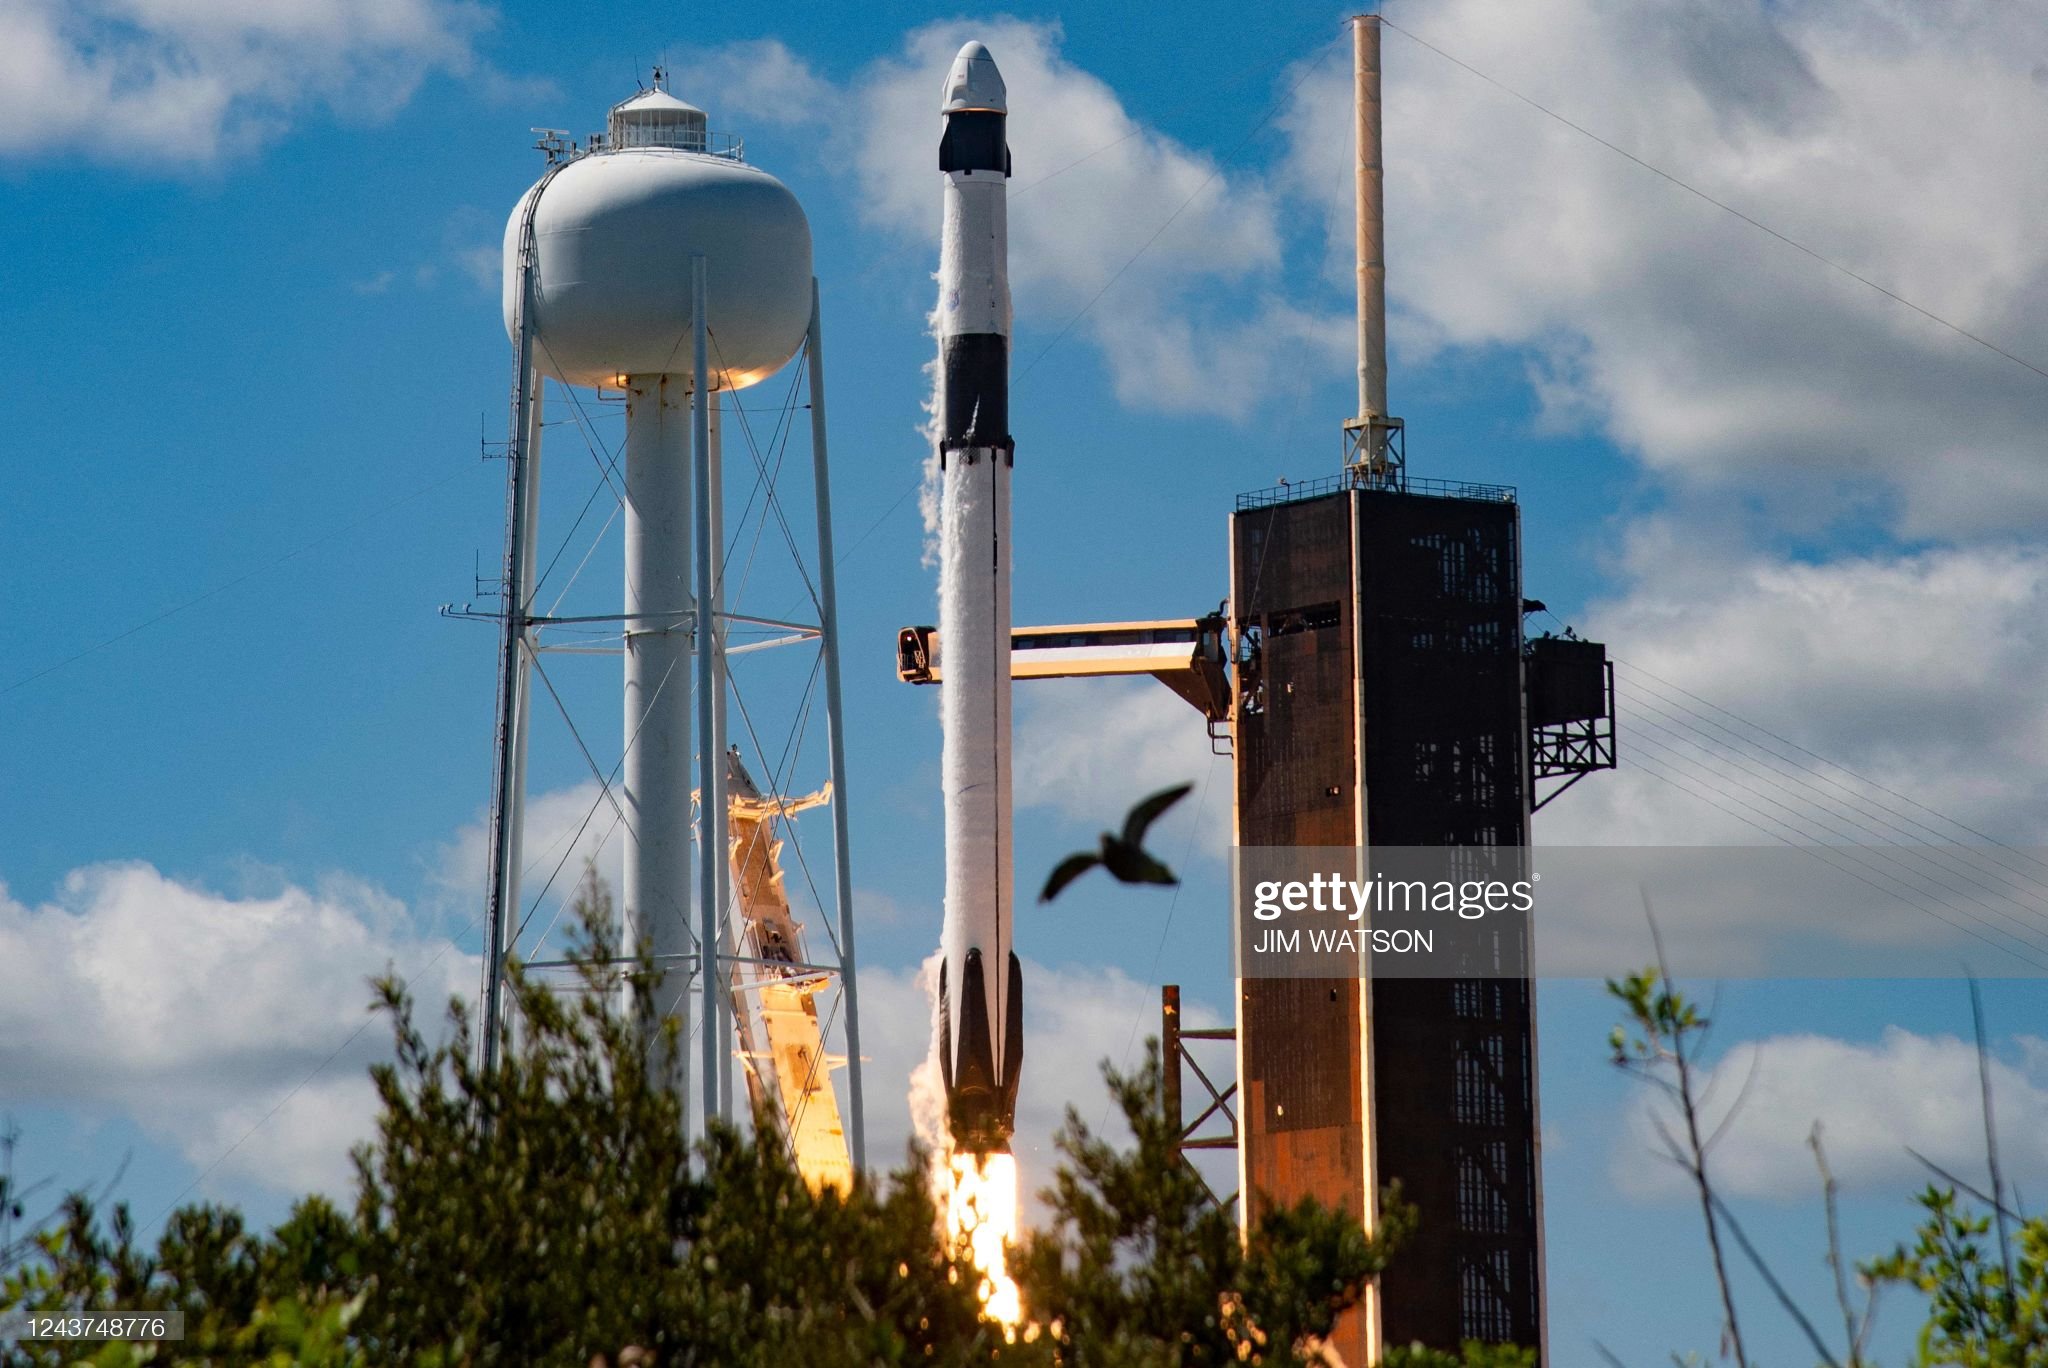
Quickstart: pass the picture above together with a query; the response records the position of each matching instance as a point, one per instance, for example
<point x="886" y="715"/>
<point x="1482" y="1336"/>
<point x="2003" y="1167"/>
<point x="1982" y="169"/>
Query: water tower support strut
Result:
<point x="835" y="720"/>
<point x="710" y="764"/>
<point x="508" y="791"/>
<point x="715" y="619"/>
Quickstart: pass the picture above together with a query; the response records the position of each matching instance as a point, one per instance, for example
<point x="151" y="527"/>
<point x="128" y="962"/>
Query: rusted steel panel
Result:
<point x="1394" y="617"/>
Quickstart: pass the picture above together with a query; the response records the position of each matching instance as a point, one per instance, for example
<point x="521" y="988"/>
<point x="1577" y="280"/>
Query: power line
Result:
<point x="1722" y="205"/>
<point x="1843" y="808"/>
<point x="1166" y="927"/>
<point x="1860" y="778"/>
<point x="1274" y="108"/>
<point x="1146" y="246"/>
<point x="1806" y="791"/>
<point x="315" y="1072"/>
<point x="1910" y="879"/>
<point x="1206" y="96"/>
<point x="241" y="579"/>
<point x="1774" y="829"/>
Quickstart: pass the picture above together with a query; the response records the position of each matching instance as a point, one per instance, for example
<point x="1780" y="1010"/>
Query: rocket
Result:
<point x="981" y="986"/>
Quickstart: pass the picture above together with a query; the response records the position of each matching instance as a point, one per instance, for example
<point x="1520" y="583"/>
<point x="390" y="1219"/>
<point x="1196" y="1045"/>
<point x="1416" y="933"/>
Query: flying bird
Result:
<point x="1123" y="856"/>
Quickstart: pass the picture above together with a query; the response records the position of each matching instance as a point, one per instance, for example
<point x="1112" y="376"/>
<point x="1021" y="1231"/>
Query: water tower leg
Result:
<point x="714" y="459"/>
<point x="519" y="602"/>
<point x="656" y="893"/>
<point x="835" y="720"/>
<point x="508" y="793"/>
<point x="710" y="764"/>
<point x="522" y="604"/>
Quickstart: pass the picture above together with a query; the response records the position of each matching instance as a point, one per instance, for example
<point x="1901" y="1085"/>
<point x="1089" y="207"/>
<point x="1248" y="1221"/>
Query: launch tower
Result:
<point x="1383" y="697"/>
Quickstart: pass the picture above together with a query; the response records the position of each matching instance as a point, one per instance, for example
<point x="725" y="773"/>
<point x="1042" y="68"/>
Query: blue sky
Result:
<point x="255" y="341"/>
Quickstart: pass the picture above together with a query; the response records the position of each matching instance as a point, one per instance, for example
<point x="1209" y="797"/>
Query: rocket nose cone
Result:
<point x="974" y="83"/>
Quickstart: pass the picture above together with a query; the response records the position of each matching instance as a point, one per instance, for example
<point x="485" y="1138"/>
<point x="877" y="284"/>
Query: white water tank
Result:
<point x="615" y="232"/>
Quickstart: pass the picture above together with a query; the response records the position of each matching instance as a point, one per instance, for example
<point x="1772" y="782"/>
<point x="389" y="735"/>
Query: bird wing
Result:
<point x="1068" y="870"/>
<point x="1145" y="813"/>
<point x="1142" y="868"/>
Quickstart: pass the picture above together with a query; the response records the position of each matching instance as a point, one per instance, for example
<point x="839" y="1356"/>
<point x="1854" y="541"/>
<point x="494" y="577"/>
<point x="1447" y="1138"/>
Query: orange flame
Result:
<point x="981" y="1215"/>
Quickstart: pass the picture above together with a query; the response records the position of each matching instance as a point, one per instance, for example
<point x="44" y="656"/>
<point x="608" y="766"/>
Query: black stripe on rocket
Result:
<point x="974" y="368"/>
<point x="975" y="379"/>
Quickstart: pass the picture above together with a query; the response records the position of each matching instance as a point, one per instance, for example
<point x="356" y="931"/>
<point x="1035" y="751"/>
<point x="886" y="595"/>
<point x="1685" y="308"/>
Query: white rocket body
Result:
<point x="981" y="985"/>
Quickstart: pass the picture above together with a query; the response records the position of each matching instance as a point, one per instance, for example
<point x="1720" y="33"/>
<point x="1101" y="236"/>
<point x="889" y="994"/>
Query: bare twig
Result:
<point x="1991" y="1151"/>
<point x="1968" y="1189"/>
<point x="1741" y="1094"/>
<point x="1608" y="1354"/>
<point x="1771" y="1281"/>
<point x="1698" y="1167"/>
<point x="1851" y="1330"/>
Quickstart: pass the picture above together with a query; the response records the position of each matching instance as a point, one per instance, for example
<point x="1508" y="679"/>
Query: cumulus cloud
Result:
<point x="760" y="81"/>
<point x="1917" y="671"/>
<point x="197" y="1013"/>
<point x="1184" y="252"/>
<point x="1873" y="1100"/>
<point x="182" y="83"/>
<point x="1722" y="358"/>
<point x="1089" y="749"/>
<point x="567" y="830"/>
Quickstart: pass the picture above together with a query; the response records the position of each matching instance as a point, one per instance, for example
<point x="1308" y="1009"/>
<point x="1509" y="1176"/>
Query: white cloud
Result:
<point x="483" y="263"/>
<point x="1719" y="356"/>
<point x="1198" y="318"/>
<point x="881" y="908"/>
<point x="567" y="831"/>
<point x="759" y="81"/>
<point x="182" y="83"/>
<point x="1089" y="749"/>
<point x="196" y="1013"/>
<point x="1723" y="359"/>
<point x="1874" y="1101"/>
<point x="1920" y="671"/>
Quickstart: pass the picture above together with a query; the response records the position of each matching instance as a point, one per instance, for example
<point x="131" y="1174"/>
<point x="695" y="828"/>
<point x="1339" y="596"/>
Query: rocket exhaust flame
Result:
<point x="981" y="1218"/>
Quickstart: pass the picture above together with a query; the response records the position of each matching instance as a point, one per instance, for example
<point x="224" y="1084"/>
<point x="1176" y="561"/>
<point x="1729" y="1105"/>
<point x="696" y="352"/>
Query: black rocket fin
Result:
<point x="974" y="1102"/>
<point x="1013" y="1045"/>
<point x="945" y="1035"/>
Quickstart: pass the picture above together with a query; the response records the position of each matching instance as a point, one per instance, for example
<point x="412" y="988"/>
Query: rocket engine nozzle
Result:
<point x="981" y="1105"/>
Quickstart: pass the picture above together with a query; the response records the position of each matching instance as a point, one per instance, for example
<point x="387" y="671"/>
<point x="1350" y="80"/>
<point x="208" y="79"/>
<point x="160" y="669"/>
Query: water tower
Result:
<point x="655" y="261"/>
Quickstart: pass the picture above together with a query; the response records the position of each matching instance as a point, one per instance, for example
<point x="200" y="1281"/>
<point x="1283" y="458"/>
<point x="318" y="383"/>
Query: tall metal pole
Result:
<point x="835" y="722"/>
<point x="655" y="792"/>
<point x="720" y="839"/>
<point x="1370" y="251"/>
<point x="521" y="597"/>
<point x="1169" y="1058"/>
<point x="708" y="975"/>
<point x="530" y="512"/>
<point x="507" y="790"/>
